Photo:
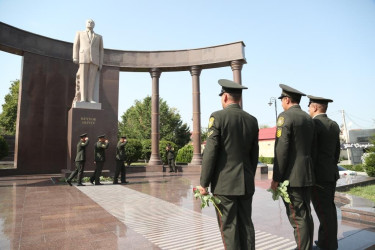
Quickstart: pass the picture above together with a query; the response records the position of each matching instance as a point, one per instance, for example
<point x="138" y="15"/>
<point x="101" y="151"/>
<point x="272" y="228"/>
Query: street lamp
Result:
<point x="273" y="100"/>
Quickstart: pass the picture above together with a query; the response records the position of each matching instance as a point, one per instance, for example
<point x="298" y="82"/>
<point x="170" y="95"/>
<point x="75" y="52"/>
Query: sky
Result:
<point x="323" y="48"/>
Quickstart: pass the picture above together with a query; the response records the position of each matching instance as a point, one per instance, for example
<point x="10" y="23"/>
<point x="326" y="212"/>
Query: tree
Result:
<point x="370" y="160"/>
<point x="8" y="117"/>
<point x="133" y="151"/>
<point x="136" y="123"/>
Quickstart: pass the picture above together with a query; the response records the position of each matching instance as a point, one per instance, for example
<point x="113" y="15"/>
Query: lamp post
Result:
<point x="273" y="100"/>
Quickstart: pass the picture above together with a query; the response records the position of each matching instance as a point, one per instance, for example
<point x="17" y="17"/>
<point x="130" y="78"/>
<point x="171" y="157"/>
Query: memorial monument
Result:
<point x="88" y="52"/>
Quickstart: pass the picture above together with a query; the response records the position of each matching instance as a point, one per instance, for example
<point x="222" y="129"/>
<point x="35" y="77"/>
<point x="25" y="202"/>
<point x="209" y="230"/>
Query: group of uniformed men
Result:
<point x="99" y="158"/>
<point x="306" y="153"/>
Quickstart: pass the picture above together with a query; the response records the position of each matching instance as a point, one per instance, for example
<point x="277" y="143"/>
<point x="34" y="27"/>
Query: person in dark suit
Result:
<point x="229" y="163"/>
<point x="293" y="161"/>
<point x="326" y="157"/>
<point x="170" y="158"/>
<point x="120" y="161"/>
<point x="79" y="160"/>
<point x="99" y="158"/>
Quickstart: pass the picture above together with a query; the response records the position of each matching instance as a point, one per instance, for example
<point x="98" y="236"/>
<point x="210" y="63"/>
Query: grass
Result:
<point x="367" y="192"/>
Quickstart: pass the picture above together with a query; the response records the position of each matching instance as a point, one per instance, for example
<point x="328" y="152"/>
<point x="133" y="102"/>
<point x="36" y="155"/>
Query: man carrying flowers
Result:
<point x="229" y="163"/>
<point x="293" y="162"/>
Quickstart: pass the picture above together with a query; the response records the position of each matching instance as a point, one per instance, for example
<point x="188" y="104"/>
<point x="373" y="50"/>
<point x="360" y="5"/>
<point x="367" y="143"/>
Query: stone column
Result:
<point x="236" y="68"/>
<point x="155" y="117"/>
<point x="195" y="72"/>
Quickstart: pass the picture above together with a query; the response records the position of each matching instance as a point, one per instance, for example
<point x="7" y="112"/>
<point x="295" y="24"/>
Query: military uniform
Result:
<point x="229" y="164"/>
<point x="327" y="150"/>
<point x="293" y="161"/>
<point x="79" y="161"/>
<point x="99" y="158"/>
<point x="120" y="160"/>
<point x="170" y="158"/>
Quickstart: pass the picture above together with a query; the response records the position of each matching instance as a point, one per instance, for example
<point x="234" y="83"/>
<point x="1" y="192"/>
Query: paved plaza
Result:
<point x="153" y="211"/>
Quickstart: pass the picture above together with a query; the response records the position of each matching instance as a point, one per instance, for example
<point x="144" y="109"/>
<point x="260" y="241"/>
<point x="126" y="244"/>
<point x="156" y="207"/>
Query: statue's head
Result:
<point x="90" y="24"/>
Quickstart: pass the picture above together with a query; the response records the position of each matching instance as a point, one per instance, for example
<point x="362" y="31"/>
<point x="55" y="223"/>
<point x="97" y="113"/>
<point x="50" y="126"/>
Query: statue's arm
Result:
<point x="101" y="48"/>
<point x="76" y="48"/>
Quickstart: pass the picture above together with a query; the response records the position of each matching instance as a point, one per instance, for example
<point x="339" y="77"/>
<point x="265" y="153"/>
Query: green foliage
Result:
<point x="133" y="151"/>
<point x="4" y="149"/>
<point x="136" y="123"/>
<point x="266" y="160"/>
<point x="204" y="133"/>
<point x="370" y="165"/>
<point x="358" y="168"/>
<point x="370" y="160"/>
<point x="206" y="199"/>
<point x="185" y="154"/>
<point x="8" y="117"/>
<point x="146" y="149"/>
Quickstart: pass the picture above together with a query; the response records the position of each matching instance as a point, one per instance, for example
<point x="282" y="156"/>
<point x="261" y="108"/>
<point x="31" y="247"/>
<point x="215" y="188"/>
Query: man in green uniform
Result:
<point x="120" y="160"/>
<point x="80" y="160"/>
<point x="326" y="157"/>
<point x="170" y="157"/>
<point x="99" y="158"/>
<point x="293" y="161"/>
<point x="229" y="163"/>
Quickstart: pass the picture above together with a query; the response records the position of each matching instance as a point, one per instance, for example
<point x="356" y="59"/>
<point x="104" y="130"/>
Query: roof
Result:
<point x="267" y="134"/>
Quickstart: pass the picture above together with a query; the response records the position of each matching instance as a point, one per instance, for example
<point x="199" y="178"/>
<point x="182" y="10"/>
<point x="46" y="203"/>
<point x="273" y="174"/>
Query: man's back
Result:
<point x="231" y="152"/>
<point x="294" y="138"/>
<point x="328" y="148"/>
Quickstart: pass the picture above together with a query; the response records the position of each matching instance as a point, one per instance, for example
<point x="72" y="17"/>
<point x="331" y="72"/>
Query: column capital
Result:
<point x="236" y="65"/>
<point x="155" y="72"/>
<point x="195" y="70"/>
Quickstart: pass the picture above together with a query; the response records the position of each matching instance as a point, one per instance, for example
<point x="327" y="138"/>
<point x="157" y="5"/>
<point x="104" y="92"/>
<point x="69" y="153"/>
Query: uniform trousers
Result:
<point x="98" y="172"/>
<point x="87" y="76"/>
<point x="299" y="215"/>
<point x="120" y="168"/>
<point x="236" y="226"/>
<point x="171" y="164"/>
<point x="322" y="197"/>
<point x="80" y="165"/>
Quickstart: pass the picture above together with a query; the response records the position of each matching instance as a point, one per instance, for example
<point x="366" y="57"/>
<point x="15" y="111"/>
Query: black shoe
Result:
<point x="124" y="182"/>
<point x="92" y="181"/>
<point x="69" y="182"/>
<point x="96" y="184"/>
<point x="171" y="171"/>
<point x="80" y="184"/>
<point x="115" y="183"/>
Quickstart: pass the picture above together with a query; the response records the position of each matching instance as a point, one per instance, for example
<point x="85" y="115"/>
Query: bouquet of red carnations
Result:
<point x="206" y="199"/>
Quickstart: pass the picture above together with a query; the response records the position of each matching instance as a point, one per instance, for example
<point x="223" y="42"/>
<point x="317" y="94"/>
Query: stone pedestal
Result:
<point x="94" y="123"/>
<point x="87" y="105"/>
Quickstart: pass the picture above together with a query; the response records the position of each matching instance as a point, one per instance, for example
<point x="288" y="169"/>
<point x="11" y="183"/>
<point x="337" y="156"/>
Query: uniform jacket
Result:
<point x="88" y="51"/>
<point x="231" y="154"/>
<point x="99" y="151"/>
<point x="327" y="149"/>
<point x="293" y="148"/>
<point x="120" y="151"/>
<point x="81" y="150"/>
<point x="170" y="154"/>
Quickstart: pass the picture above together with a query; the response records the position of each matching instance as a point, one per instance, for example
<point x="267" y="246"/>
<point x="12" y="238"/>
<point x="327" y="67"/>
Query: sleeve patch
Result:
<point x="211" y="122"/>
<point x="209" y="133"/>
<point x="280" y="121"/>
<point x="278" y="132"/>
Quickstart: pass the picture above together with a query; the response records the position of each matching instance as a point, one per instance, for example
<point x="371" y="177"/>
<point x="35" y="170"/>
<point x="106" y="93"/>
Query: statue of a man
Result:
<point x="88" y="52"/>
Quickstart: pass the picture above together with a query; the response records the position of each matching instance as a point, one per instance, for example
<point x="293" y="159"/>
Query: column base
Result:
<point x="197" y="160"/>
<point x="155" y="161"/>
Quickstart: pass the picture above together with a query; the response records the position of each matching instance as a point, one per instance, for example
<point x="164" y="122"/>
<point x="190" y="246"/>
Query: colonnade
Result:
<point x="195" y="72"/>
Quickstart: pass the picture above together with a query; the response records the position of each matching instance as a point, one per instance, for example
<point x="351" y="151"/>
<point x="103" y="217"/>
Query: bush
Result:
<point x="185" y="154"/>
<point x="370" y="165"/>
<point x="133" y="151"/>
<point x="267" y="160"/>
<point x="4" y="149"/>
<point x="358" y="168"/>
<point x="146" y="149"/>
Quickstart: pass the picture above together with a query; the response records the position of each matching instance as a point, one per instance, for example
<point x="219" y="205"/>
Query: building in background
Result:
<point x="267" y="142"/>
<point x="359" y="140"/>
